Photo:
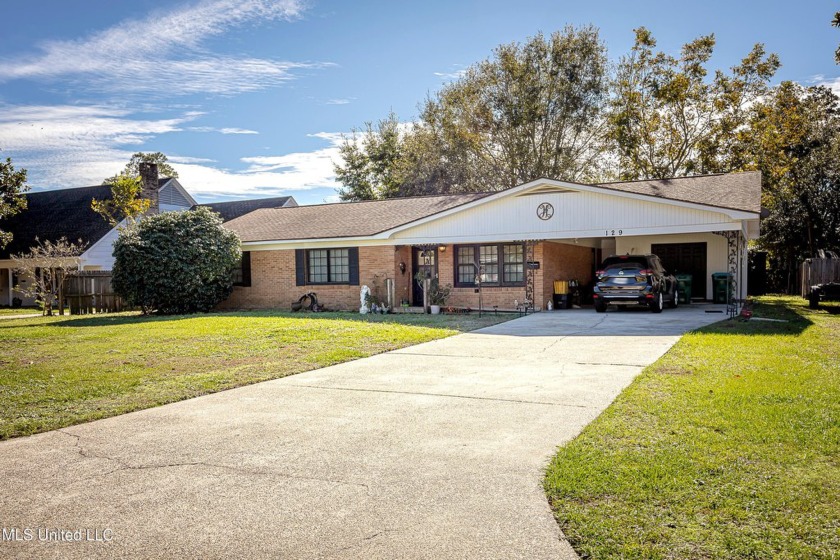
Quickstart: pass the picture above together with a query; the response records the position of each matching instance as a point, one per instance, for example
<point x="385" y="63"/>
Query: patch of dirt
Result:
<point x="674" y="370"/>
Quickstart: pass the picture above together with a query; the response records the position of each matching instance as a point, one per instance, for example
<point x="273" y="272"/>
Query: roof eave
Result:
<point x="270" y="244"/>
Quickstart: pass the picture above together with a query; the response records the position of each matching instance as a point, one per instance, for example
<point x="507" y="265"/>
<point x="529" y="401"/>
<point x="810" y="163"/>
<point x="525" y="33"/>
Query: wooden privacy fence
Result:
<point x="817" y="271"/>
<point x="90" y="292"/>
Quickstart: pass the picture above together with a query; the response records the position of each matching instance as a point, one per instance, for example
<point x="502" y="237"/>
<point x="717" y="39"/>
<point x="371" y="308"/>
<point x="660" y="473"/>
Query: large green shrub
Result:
<point x="175" y="262"/>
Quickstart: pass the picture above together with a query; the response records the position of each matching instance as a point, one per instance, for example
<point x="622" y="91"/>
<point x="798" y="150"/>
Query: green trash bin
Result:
<point x="720" y="286"/>
<point x="684" y="287"/>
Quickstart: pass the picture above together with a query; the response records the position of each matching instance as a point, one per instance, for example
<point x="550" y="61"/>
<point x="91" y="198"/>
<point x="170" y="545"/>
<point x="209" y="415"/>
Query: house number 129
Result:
<point x="613" y="232"/>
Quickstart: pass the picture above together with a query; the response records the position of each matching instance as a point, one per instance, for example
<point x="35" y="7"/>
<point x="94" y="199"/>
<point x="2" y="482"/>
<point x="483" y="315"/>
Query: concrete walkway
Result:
<point x="434" y="451"/>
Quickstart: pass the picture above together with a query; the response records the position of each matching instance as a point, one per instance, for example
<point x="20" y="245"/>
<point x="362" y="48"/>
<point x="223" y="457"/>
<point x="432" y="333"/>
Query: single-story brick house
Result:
<point x="521" y="239"/>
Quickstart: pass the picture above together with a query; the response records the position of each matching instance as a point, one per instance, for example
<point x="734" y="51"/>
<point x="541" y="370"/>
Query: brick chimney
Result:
<point x="149" y="185"/>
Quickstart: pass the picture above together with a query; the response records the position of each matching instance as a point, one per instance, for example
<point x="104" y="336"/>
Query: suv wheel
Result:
<point x="676" y="301"/>
<point x="657" y="304"/>
<point x="600" y="306"/>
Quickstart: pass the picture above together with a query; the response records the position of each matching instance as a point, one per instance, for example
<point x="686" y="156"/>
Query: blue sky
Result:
<point x="249" y="98"/>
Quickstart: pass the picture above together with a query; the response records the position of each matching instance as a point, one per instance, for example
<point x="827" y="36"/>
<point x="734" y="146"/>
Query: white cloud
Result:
<point x="162" y="54"/>
<point x="266" y="175"/>
<point x="221" y="130"/>
<point x="79" y="128"/>
<point x="832" y="83"/>
<point x="335" y="138"/>
<point x="237" y="131"/>
<point x="449" y="75"/>
<point x="457" y="72"/>
<point x="338" y="101"/>
<point x="69" y="146"/>
<point x="187" y="159"/>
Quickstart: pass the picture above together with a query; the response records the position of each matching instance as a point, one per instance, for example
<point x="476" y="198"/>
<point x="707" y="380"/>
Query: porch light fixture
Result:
<point x="442" y="248"/>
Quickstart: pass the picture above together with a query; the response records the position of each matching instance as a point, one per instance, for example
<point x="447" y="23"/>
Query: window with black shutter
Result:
<point x="242" y="273"/>
<point x="500" y="264"/>
<point x="327" y="266"/>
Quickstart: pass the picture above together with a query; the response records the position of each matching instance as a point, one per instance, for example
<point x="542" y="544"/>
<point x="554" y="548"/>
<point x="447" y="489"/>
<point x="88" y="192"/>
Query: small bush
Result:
<point x="175" y="262"/>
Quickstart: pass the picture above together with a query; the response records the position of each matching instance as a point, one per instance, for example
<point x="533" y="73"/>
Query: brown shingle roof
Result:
<point x="738" y="191"/>
<point x="348" y="219"/>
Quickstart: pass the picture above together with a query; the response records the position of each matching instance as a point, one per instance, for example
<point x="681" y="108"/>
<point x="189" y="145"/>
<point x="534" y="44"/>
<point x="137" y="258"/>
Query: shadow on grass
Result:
<point x="456" y="322"/>
<point x="786" y="315"/>
<point x="792" y="315"/>
<point x="85" y="320"/>
<point x="462" y="322"/>
<point x="830" y="308"/>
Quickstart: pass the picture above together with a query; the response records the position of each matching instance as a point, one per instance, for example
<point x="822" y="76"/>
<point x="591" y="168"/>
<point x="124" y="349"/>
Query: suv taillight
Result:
<point x="646" y="272"/>
<point x="599" y="273"/>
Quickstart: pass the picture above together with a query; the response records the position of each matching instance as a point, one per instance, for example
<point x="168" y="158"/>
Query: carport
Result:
<point x="697" y="225"/>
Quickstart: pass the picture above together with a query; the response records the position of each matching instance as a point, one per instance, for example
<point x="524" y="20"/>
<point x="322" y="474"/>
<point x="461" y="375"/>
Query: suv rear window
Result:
<point x="618" y="267"/>
<point x="629" y="261"/>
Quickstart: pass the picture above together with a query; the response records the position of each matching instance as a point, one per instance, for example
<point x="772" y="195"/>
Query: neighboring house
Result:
<point x="53" y="214"/>
<point x="236" y="208"/>
<point x="523" y="238"/>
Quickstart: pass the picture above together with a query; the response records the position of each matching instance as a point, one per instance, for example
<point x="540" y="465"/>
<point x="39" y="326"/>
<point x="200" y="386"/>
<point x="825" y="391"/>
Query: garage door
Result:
<point x="685" y="258"/>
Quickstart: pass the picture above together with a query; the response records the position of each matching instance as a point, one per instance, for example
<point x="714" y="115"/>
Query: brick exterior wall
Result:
<point x="491" y="296"/>
<point x="562" y="261"/>
<point x="558" y="261"/>
<point x="273" y="279"/>
<point x="402" y="280"/>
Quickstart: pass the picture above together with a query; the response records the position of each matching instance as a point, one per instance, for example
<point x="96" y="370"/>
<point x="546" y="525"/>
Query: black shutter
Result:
<point x="246" y="268"/>
<point x="353" y="265"/>
<point x="300" y="267"/>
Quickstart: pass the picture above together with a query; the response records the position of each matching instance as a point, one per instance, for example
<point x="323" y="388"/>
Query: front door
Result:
<point x="423" y="260"/>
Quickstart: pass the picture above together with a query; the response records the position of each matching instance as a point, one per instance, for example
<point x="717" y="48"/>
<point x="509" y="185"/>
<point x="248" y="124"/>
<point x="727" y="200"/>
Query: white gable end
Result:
<point x="574" y="214"/>
<point x="172" y="197"/>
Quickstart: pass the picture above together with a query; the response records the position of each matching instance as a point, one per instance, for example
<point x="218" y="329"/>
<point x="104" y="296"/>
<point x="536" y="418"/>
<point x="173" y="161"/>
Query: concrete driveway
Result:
<point x="433" y="451"/>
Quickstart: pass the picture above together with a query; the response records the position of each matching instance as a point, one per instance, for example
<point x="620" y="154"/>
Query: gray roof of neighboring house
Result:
<point x="51" y="215"/>
<point x="346" y="219"/>
<point x="235" y="208"/>
<point x="736" y="191"/>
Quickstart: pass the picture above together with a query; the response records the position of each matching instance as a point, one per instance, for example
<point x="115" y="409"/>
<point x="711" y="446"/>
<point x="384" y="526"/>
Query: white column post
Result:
<point x="11" y="285"/>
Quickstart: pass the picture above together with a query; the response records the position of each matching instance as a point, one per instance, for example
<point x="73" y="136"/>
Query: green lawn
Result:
<point x="59" y="371"/>
<point x="727" y="447"/>
<point x="9" y="311"/>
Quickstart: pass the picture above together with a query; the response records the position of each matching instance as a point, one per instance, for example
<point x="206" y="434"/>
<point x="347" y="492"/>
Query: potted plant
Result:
<point x="438" y="295"/>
